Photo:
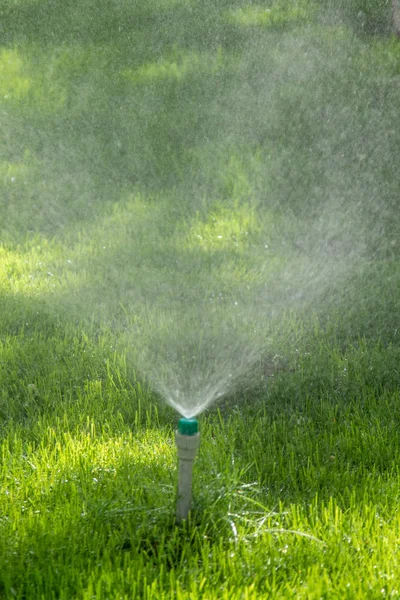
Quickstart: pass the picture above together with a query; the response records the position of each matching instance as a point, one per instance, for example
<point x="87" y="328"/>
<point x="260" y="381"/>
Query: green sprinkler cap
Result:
<point x="188" y="426"/>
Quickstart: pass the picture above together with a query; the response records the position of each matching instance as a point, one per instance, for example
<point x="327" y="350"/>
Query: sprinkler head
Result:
<point x="188" y="426"/>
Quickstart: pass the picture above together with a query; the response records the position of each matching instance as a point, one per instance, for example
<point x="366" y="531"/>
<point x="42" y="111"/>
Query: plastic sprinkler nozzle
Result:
<point x="187" y="439"/>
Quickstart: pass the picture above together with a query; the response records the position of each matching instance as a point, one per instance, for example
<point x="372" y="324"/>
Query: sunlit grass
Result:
<point x="179" y="66"/>
<point x="263" y="15"/>
<point x="13" y="172"/>
<point x="223" y="229"/>
<point x="13" y="85"/>
<point x="24" y="83"/>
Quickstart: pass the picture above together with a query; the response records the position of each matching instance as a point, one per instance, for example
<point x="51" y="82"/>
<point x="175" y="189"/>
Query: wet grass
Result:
<point x="213" y="136"/>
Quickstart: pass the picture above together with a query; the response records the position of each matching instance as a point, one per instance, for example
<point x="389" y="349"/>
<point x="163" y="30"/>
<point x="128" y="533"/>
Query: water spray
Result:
<point x="187" y="439"/>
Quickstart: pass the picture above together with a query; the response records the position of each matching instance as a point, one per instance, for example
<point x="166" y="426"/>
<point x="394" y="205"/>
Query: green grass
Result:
<point x="170" y="163"/>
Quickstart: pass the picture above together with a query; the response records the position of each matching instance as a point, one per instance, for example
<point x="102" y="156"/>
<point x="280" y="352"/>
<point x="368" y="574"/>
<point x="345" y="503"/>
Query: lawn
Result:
<point x="199" y="214"/>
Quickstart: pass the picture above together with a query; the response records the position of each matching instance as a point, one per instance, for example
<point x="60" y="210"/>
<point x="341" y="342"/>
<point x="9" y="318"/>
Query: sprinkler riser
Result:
<point x="187" y="446"/>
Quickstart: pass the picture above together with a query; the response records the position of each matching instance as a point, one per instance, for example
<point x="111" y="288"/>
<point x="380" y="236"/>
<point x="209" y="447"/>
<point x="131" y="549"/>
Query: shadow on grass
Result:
<point x="196" y="25"/>
<point x="366" y="17"/>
